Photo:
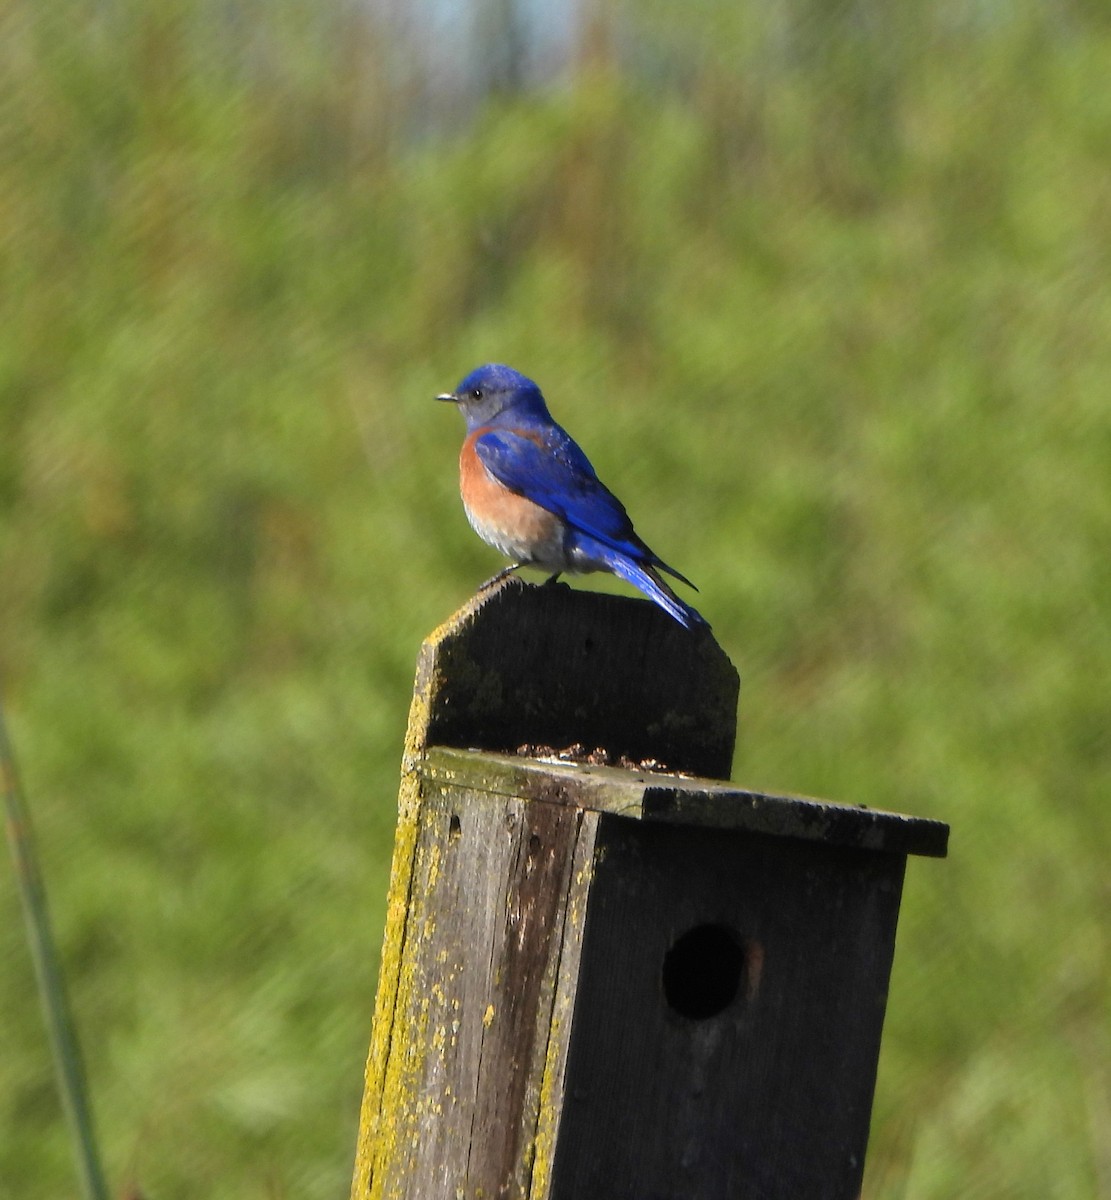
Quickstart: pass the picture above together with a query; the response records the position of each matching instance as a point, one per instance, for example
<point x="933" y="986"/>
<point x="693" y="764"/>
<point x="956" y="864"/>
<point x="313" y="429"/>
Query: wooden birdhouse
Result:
<point x="607" y="973"/>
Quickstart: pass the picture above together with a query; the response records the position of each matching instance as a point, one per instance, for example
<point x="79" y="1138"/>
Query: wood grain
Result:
<point x="491" y="887"/>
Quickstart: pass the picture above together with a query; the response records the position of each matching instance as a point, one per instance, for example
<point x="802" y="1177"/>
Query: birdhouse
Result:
<point x="607" y="973"/>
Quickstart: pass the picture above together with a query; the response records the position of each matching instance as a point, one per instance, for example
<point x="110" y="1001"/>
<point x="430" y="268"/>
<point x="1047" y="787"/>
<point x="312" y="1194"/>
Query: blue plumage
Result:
<point x="536" y="462"/>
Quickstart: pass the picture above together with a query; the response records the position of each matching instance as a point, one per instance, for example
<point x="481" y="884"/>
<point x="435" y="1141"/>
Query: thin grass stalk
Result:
<point x="51" y="983"/>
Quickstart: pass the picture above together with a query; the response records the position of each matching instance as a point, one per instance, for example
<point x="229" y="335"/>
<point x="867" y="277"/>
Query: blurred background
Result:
<point x="821" y="286"/>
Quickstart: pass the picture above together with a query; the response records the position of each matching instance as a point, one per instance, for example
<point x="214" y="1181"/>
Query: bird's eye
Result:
<point x="476" y="393"/>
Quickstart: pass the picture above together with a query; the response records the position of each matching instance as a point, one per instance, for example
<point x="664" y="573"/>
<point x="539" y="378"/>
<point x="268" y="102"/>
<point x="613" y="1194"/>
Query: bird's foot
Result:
<point x="502" y="574"/>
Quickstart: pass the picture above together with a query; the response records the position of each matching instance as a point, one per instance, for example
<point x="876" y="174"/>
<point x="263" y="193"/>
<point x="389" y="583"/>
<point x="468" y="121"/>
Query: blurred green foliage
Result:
<point x="822" y="290"/>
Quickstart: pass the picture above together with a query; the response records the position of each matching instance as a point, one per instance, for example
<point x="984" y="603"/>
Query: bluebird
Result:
<point x="531" y="493"/>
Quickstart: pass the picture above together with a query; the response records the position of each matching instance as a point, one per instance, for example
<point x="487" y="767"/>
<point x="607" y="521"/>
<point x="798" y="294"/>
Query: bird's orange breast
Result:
<point x="514" y="524"/>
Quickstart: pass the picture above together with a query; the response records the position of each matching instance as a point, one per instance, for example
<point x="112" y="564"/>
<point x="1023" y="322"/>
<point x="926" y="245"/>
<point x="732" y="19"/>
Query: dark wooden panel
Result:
<point x="551" y="666"/>
<point x="768" y="1099"/>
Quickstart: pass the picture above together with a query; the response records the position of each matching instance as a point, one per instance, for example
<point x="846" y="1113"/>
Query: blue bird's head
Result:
<point x="495" y="394"/>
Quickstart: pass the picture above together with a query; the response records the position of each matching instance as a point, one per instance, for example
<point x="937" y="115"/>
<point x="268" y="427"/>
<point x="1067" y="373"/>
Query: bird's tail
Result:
<point x="660" y="565"/>
<point x="647" y="578"/>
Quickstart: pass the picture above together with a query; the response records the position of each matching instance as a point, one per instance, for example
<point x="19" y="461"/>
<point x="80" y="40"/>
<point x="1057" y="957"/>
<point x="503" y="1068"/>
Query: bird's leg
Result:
<point x="552" y="578"/>
<point x="502" y="574"/>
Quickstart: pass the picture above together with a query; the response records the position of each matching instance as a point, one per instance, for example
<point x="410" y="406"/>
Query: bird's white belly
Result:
<point x="523" y="532"/>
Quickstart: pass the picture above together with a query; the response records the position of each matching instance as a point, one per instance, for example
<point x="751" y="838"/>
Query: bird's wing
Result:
<point x="549" y="468"/>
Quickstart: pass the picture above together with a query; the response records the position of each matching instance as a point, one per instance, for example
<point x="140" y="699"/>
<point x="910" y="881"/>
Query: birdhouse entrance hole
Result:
<point x="703" y="970"/>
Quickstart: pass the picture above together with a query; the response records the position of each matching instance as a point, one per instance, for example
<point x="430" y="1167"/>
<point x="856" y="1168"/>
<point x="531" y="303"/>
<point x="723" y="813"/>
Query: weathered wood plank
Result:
<point x="683" y="800"/>
<point x="553" y="1076"/>
<point x="526" y="961"/>
<point x="432" y="1073"/>
<point x="435" y="1073"/>
<point x="491" y="882"/>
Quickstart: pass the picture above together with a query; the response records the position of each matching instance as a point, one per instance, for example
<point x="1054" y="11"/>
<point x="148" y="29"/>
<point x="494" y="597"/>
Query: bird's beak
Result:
<point x="448" y="396"/>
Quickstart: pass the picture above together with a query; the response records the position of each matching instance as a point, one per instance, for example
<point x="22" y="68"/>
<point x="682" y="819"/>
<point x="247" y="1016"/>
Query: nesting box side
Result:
<point x="728" y="1016"/>
<point x="495" y="910"/>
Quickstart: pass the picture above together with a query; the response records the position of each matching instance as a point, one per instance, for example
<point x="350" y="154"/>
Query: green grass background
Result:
<point x="823" y="291"/>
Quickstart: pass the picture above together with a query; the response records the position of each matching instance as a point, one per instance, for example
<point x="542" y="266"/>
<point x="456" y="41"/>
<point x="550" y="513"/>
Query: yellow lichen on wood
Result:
<point x="547" y="1121"/>
<point x="391" y="1080"/>
<point x="375" y="1125"/>
<point x="389" y="978"/>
